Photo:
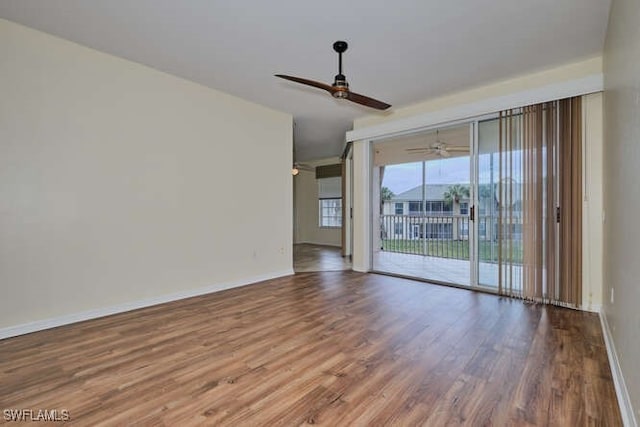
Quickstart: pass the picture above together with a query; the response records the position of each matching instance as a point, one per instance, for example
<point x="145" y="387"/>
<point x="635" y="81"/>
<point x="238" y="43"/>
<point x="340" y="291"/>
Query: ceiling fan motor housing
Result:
<point x="340" y="46"/>
<point x="340" y="83"/>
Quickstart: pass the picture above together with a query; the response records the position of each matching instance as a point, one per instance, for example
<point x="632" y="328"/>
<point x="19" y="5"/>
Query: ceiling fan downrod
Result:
<point x="340" y="81"/>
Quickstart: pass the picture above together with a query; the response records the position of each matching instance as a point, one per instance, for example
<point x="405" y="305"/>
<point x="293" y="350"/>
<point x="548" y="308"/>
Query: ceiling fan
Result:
<point x="439" y="148"/>
<point x="297" y="167"/>
<point x="340" y="88"/>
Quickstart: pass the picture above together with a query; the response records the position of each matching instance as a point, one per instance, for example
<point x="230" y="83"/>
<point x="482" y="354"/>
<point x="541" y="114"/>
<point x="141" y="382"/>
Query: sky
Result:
<point x="403" y="177"/>
<point x="456" y="170"/>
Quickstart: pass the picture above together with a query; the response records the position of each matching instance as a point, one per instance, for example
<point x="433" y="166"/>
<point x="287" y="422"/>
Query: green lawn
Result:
<point x="458" y="249"/>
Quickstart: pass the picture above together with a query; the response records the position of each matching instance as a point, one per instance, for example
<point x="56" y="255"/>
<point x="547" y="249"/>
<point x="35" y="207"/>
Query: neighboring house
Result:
<point x="403" y="216"/>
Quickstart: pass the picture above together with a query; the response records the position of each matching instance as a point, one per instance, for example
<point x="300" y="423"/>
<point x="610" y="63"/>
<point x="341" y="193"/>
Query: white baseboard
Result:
<point x="624" y="401"/>
<point x="66" y="319"/>
<point x="593" y="308"/>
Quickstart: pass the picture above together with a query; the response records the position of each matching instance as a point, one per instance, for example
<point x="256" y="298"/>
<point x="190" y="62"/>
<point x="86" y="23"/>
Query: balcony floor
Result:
<point x="448" y="270"/>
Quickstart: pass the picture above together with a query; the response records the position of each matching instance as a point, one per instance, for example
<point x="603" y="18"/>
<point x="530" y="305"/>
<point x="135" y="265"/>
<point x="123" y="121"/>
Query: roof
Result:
<point x="433" y="192"/>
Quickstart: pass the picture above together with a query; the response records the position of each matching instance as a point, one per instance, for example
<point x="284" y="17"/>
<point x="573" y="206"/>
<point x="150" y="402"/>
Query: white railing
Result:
<point x="445" y="236"/>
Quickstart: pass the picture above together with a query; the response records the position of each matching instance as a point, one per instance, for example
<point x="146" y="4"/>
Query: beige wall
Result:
<point x="622" y="189"/>
<point x="361" y="206"/>
<point x="306" y="220"/>
<point x="120" y="183"/>
<point x="592" y="243"/>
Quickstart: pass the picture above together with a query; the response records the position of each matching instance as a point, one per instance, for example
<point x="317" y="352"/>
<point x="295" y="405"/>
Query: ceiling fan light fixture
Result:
<point x="294" y="170"/>
<point x="340" y="94"/>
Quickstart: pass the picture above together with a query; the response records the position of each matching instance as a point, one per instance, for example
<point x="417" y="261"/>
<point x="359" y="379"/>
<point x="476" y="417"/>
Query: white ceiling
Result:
<point x="398" y="150"/>
<point x="400" y="52"/>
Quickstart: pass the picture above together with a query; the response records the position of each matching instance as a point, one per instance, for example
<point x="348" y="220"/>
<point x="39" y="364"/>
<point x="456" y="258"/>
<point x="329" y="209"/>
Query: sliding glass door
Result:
<point x="495" y="203"/>
<point x="423" y="195"/>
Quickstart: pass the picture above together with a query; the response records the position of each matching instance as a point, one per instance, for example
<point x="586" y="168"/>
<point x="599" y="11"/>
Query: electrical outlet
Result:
<point x="612" y="295"/>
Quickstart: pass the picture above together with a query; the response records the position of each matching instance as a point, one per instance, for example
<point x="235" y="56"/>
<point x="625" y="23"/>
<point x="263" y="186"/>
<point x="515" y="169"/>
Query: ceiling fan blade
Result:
<point x="366" y="101"/>
<point x="458" y="149"/>
<point x="424" y="153"/>
<point x="305" y="167"/>
<point x="307" y="82"/>
<point x="418" y="149"/>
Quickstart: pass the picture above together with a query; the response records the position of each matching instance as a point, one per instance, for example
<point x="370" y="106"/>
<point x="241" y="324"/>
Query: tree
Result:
<point x="386" y="194"/>
<point x="455" y="192"/>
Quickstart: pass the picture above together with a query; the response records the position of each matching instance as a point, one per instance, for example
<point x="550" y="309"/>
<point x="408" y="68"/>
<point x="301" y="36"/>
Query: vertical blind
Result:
<point x="540" y="188"/>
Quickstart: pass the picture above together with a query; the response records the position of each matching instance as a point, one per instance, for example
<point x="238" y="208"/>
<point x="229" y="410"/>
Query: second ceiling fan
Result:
<point x="340" y="88"/>
<point x="438" y="148"/>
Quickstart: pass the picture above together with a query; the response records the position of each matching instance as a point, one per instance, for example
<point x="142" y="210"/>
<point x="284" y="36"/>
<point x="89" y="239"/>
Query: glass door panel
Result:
<point x="447" y="231"/>
<point x="487" y="208"/>
<point x="400" y="208"/>
<point x="499" y="207"/>
<point x="421" y="225"/>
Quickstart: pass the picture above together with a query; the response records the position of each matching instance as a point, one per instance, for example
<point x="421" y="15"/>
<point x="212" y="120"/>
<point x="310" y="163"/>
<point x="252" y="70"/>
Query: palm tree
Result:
<point x="386" y="194"/>
<point x="455" y="192"/>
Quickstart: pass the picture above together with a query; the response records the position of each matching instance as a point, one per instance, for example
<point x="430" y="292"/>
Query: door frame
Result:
<point x="473" y="199"/>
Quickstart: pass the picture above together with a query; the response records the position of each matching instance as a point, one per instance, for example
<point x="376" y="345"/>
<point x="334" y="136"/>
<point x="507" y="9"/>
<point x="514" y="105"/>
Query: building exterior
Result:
<point x="423" y="212"/>
<point x="406" y="217"/>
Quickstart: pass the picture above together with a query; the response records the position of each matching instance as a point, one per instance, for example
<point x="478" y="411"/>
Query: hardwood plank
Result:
<point x="330" y="348"/>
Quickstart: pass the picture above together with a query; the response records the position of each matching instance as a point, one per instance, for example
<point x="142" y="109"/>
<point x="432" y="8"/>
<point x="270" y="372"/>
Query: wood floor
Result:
<point x="332" y="348"/>
<point x="308" y="257"/>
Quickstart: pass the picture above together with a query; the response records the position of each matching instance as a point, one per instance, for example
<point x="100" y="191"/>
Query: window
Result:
<point x="439" y="231"/>
<point x="436" y="207"/>
<point x="464" y="208"/>
<point x="330" y="212"/>
<point x="399" y="208"/>
<point x="330" y="202"/>
<point x="482" y="229"/>
<point x="415" y="208"/>
<point x="464" y="230"/>
<point x="397" y="228"/>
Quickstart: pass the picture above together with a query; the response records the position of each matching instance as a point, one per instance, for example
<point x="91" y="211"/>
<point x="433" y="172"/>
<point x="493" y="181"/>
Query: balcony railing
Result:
<point x="440" y="235"/>
<point x="445" y="236"/>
